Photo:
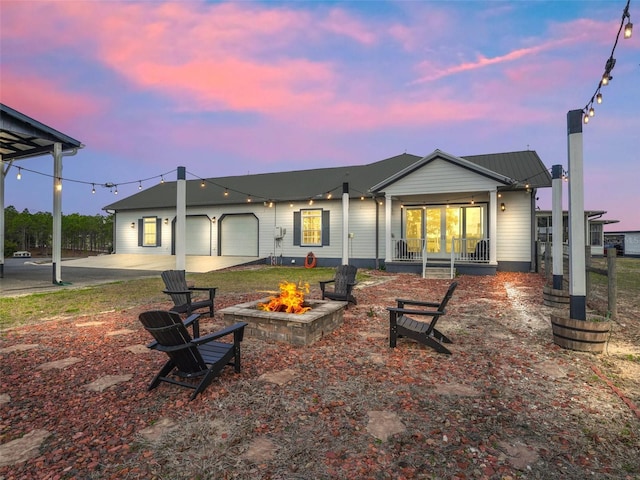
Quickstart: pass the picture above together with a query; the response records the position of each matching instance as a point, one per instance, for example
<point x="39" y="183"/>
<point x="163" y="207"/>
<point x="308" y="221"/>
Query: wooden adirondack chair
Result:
<point x="401" y="325"/>
<point x="201" y="359"/>
<point x="182" y="296"/>
<point x="343" y="283"/>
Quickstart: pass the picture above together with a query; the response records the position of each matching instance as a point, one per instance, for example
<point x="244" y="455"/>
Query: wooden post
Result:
<point x="612" y="281"/>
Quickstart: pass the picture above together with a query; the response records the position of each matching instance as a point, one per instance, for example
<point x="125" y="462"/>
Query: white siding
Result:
<point x="440" y="176"/>
<point x="632" y="243"/>
<point x="126" y="238"/>
<point x="514" y="227"/>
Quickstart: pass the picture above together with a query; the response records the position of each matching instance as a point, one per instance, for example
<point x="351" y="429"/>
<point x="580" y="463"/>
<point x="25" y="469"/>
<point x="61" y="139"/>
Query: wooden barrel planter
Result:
<point x="580" y="335"/>
<point x="552" y="297"/>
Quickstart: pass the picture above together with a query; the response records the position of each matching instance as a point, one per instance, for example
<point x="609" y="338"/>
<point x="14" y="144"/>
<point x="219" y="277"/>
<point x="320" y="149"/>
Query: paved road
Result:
<point x="30" y="275"/>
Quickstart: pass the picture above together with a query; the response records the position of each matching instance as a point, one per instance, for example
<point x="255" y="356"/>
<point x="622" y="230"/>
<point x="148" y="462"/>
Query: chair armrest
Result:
<point x="403" y="301"/>
<point x="191" y="318"/>
<point x="177" y="292"/>
<point x="404" y="311"/>
<point x="325" y="282"/>
<point x="220" y="333"/>
<point x="204" y="289"/>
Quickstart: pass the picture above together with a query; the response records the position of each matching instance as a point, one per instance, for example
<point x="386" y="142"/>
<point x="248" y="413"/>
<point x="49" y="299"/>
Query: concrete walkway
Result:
<point x="25" y="276"/>
<point x="194" y="264"/>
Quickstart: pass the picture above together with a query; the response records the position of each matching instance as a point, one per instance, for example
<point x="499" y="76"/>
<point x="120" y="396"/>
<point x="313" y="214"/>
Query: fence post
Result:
<point x="612" y="282"/>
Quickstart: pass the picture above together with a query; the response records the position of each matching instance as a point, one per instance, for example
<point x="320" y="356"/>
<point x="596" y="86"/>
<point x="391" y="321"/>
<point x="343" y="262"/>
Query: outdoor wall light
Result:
<point x="502" y="207"/>
<point x="213" y="219"/>
<point x="166" y="221"/>
<point x="133" y="224"/>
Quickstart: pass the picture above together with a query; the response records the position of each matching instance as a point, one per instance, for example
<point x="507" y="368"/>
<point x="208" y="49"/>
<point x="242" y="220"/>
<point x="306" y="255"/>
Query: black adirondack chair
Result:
<point x="183" y="296"/>
<point x="401" y="325"/>
<point x="200" y="359"/>
<point x="343" y="283"/>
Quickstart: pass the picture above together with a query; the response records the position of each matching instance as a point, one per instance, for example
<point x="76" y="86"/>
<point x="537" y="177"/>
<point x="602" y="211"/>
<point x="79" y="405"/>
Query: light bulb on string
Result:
<point x="161" y="178"/>
<point x="139" y="185"/>
<point x="586" y="118"/>
<point x="202" y="184"/>
<point x="19" y="175"/>
<point x="599" y="98"/>
<point x="628" y="30"/>
<point x="93" y="188"/>
<point x="592" y="112"/>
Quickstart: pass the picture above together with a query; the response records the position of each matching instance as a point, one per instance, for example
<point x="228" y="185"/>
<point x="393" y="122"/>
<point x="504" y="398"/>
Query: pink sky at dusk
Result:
<point x="254" y="87"/>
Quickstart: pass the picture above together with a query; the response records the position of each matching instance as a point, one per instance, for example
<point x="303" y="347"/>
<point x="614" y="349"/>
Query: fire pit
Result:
<point x="319" y="317"/>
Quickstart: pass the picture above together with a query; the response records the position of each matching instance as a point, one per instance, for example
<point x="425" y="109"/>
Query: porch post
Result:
<point x="387" y="228"/>
<point x="181" y="213"/>
<point x="493" y="227"/>
<point x="556" y="220"/>
<point x="345" y="223"/>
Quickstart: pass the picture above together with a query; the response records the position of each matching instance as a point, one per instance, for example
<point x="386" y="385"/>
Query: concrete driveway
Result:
<point x="23" y="276"/>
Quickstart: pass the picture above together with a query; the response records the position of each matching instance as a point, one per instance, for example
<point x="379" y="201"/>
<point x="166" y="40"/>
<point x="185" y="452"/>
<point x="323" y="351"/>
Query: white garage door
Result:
<point x="239" y="235"/>
<point x="198" y="236"/>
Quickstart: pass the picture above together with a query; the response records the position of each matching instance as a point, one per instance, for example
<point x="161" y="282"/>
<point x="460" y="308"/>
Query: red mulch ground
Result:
<point x="507" y="404"/>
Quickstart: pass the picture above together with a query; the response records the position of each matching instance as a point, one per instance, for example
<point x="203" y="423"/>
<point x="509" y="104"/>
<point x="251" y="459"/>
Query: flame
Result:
<point x="290" y="300"/>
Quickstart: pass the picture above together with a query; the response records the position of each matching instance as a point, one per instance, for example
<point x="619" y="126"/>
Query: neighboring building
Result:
<point x="476" y="211"/>
<point x="627" y="243"/>
<point x="594" y="229"/>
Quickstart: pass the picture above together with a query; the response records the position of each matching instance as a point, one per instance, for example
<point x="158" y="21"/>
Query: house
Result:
<point x="594" y="229"/>
<point x="404" y="213"/>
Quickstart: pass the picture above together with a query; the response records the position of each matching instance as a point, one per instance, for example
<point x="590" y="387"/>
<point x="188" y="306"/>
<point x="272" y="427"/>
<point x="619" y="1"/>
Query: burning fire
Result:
<point x="290" y="300"/>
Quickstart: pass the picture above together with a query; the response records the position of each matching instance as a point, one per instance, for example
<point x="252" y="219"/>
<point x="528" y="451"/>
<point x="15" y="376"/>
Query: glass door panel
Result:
<point x="453" y="226"/>
<point x="474" y="231"/>
<point x="414" y="230"/>
<point x="434" y="229"/>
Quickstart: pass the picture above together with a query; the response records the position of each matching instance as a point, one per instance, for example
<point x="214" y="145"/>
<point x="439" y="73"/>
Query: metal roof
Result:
<point x="23" y="137"/>
<point x="302" y="185"/>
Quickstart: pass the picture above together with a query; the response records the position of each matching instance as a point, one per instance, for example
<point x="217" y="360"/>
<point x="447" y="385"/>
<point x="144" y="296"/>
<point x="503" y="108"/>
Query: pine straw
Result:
<point x="507" y="404"/>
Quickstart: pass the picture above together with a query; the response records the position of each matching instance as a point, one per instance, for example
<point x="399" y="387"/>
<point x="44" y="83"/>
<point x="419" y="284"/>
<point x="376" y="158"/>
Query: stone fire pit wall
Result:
<point x="296" y="329"/>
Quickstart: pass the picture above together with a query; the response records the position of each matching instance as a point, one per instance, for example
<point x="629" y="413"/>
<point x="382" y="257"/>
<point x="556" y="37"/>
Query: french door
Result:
<point x="439" y="224"/>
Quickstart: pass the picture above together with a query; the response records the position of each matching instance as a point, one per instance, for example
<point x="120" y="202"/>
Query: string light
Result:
<point x="19" y="175"/>
<point x="139" y="185"/>
<point x="588" y="110"/>
<point x="93" y="188"/>
<point x="162" y="179"/>
<point x="202" y="184"/>
<point x="226" y="192"/>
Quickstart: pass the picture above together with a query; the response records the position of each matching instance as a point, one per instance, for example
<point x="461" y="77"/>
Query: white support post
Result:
<point x="577" y="272"/>
<point x="345" y="223"/>
<point x="56" y="247"/>
<point x="181" y="219"/>
<point x="388" y="254"/>
<point x="493" y="227"/>
<point x="556" y="220"/>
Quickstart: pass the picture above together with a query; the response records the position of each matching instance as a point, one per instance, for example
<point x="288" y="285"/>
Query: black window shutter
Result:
<point x="158" y="232"/>
<point x="325" y="227"/>
<point x="297" y="227"/>
<point x="140" y="232"/>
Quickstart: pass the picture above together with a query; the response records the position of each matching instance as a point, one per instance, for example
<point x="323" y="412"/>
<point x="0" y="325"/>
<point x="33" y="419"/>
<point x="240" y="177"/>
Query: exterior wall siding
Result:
<point x="440" y="176"/>
<point x="514" y="227"/>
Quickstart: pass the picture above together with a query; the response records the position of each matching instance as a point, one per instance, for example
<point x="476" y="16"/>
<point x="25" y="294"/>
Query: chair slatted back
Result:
<point x="176" y="280"/>
<point x="442" y="307"/>
<point x="345" y="274"/>
<point x="169" y="331"/>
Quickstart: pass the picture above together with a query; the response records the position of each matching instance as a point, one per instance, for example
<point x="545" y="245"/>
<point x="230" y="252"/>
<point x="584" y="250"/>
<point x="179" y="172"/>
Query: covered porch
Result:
<point x="425" y="232"/>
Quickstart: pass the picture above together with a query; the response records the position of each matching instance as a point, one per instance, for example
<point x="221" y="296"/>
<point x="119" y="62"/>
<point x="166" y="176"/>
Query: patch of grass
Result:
<point x="16" y="311"/>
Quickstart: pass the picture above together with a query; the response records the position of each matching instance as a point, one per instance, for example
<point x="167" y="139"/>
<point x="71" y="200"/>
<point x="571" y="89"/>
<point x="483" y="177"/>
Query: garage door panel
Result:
<point x="239" y="235"/>
<point x="198" y="238"/>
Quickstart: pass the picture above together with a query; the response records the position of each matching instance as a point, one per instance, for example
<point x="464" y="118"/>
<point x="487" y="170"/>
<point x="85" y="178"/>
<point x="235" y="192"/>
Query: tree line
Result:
<point x="33" y="232"/>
